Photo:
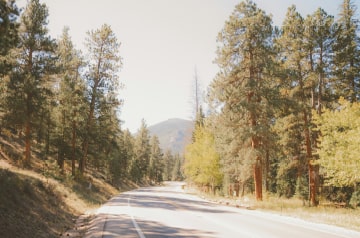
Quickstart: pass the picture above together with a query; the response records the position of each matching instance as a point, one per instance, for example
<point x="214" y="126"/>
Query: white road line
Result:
<point x="138" y="230"/>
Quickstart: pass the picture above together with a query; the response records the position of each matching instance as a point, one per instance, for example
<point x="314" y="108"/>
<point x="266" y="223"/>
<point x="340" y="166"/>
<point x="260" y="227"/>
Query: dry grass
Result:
<point x="31" y="208"/>
<point x="329" y="214"/>
<point x="343" y="217"/>
<point x="35" y="205"/>
<point x="42" y="202"/>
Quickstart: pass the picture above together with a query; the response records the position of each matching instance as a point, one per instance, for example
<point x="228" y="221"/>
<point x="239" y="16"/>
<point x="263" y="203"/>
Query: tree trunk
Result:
<point x="73" y="150"/>
<point x="257" y="171"/>
<point x="312" y="173"/>
<point x="28" y="115"/>
<point x="258" y="179"/>
<point x="60" y="160"/>
<point x="27" y="144"/>
<point x="82" y="162"/>
<point x="243" y="189"/>
<point x="47" y="143"/>
<point x="97" y="80"/>
<point x="61" y="146"/>
<point x="267" y="170"/>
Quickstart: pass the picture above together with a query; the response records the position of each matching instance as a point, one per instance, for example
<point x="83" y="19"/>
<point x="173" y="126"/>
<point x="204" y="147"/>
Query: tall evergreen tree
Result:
<point x="118" y="158"/>
<point x="106" y="131"/>
<point x="293" y="123"/>
<point x="319" y="36"/>
<point x="71" y="100"/>
<point x="140" y="161"/>
<point x="8" y="33"/>
<point x="156" y="161"/>
<point x="28" y="88"/>
<point x="177" y="172"/>
<point x="199" y="122"/>
<point x="102" y="79"/>
<point x="319" y="39"/>
<point x="168" y="165"/>
<point x="346" y="50"/>
<point x="9" y="14"/>
<point x="129" y="149"/>
<point x="242" y="87"/>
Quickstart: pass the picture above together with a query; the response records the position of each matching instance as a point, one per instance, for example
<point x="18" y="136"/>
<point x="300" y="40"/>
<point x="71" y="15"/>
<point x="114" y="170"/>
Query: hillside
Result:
<point x="42" y="202"/>
<point x="31" y="208"/>
<point x="174" y="134"/>
<point x="36" y="205"/>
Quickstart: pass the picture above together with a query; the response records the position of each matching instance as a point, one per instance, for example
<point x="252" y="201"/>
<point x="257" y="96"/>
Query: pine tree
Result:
<point x="168" y="165"/>
<point x="242" y="87"/>
<point x="129" y="150"/>
<point x="102" y="80"/>
<point x="71" y="101"/>
<point x="9" y="14"/>
<point x="28" y="88"/>
<point x="105" y="131"/>
<point x="177" y="173"/>
<point x="319" y="39"/>
<point x="118" y="159"/>
<point x="199" y="122"/>
<point x="8" y="33"/>
<point x="293" y="122"/>
<point x="346" y="64"/>
<point x="140" y="161"/>
<point x="156" y="163"/>
<point x="319" y="36"/>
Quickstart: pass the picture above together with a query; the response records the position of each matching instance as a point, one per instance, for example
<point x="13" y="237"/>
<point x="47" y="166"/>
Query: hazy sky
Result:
<point x="162" y="41"/>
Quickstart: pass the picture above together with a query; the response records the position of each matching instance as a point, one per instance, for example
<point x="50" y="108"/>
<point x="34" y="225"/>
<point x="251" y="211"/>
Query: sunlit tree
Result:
<point x="104" y="63"/>
<point x="8" y="33"/>
<point x="29" y="88"/>
<point x="339" y="149"/>
<point x="202" y="162"/>
<point x="346" y="50"/>
<point x="70" y="99"/>
<point x="139" y="164"/>
<point x="242" y="88"/>
<point x="156" y="163"/>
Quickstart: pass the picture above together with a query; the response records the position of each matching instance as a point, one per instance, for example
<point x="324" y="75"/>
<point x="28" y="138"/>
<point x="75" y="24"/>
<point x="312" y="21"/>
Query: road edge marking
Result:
<point x="136" y="225"/>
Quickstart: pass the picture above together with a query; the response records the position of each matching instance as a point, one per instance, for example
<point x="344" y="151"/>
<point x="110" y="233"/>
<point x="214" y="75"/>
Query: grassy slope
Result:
<point x="41" y="202"/>
<point x="31" y="208"/>
<point x="348" y="218"/>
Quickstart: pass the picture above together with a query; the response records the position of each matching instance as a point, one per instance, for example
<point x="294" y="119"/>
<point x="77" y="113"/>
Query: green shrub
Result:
<point x="355" y="199"/>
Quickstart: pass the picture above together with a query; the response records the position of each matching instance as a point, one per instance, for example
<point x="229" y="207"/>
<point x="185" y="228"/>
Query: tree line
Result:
<point x="64" y="104"/>
<point x="284" y="107"/>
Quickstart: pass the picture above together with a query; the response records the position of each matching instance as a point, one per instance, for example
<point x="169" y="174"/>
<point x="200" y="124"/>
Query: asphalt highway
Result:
<point x="167" y="211"/>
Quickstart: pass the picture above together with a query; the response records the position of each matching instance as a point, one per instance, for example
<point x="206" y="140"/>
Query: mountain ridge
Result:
<point x="174" y="134"/>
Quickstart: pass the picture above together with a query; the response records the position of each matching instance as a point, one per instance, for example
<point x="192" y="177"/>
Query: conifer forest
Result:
<point x="65" y="104"/>
<point x="282" y="114"/>
<point x="284" y="108"/>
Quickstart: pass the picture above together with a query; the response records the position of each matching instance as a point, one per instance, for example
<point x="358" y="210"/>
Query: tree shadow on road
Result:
<point x="172" y="203"/>
<point x="153" y="229"/>
<point x="122" y="226"/>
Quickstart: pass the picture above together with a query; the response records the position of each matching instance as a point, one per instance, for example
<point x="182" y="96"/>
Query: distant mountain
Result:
<point x="173" y="134"/>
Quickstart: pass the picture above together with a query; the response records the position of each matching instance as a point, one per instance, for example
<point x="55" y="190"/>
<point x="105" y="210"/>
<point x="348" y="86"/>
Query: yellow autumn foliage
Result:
<point x="339" y="150"/>
<point x="202" y="162"/>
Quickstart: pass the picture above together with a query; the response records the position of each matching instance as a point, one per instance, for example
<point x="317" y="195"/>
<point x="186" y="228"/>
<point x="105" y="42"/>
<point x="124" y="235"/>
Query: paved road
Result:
<point x="169" y="212"/>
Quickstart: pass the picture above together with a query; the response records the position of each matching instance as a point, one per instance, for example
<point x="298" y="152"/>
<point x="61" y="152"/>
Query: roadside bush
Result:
<point x="338" y="194"/>
<point x="355" y="199"/>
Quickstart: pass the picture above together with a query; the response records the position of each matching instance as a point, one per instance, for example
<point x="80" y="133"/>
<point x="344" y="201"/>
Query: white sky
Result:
<point x="162" y="41"/>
